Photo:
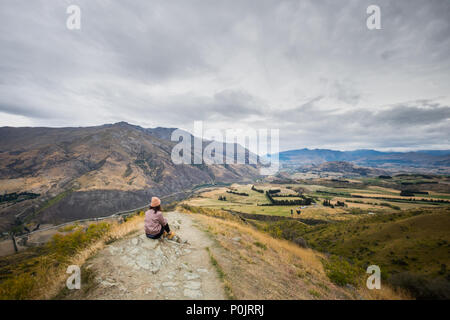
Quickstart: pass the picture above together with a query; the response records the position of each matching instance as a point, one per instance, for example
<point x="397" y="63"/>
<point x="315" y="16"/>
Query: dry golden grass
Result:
<point x="219" y="213"/>
<point x="57" y="280"/>
<point x="36" y="184"/>
<point x="110" y="177"/>
<point x="213" y="193"/>
<point x="385" y="293"/>
<point x="259" y="266"/>
<point x="287" y="250"/>
<point x="384" y="189"/>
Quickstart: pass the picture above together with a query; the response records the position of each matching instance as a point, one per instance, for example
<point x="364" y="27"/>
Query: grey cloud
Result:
<point x="246" y="63"/>
<point x="399" y="115"/>
<point x="406" y="125"/>
<point x="346" y="93"/>
<point x="235" y="104"/>
<point x="413" y="115"/>
<point x="228" y="105"/>
<point x="23" y="111"/>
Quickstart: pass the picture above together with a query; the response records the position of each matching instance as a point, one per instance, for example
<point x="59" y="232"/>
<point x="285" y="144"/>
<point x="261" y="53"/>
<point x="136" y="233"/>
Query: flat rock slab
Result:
<point x="193" y="285"/>
<point x="192" y="294"/>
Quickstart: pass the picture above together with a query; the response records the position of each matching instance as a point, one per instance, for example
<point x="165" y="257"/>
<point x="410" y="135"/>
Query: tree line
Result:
<point x="257" y="190"/>
<point x="238" y="193"/>
<point x="327" y="203"/>
<point x="7" y="197"/>
<point x="305" y="201"/>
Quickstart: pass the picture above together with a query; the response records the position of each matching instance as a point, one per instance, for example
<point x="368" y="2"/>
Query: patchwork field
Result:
<point x="357" y="202"/>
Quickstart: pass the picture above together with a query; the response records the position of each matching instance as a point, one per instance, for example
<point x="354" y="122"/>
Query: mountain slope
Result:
<point x="95" y="171"/>
<point x="342" y="167"/>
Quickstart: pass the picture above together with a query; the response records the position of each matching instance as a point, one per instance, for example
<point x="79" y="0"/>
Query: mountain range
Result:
<point x="75" y="173"/>
<point x="437" y="161"/>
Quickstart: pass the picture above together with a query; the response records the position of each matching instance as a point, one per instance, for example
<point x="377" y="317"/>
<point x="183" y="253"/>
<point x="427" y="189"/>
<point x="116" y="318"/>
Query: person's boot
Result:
<point x="170" y="235"/>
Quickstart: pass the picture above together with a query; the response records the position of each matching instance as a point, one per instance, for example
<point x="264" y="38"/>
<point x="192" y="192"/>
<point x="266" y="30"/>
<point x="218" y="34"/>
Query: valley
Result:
<point x="67" y="192"/>
<point x="357" y="222"/>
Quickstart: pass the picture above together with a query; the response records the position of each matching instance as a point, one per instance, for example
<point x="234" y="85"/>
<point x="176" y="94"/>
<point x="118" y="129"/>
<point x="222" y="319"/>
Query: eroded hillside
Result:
<point x="94" y="171"/>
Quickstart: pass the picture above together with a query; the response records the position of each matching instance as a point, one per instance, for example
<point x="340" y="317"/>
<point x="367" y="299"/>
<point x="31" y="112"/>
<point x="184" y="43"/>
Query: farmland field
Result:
<point x="366" y="200"/>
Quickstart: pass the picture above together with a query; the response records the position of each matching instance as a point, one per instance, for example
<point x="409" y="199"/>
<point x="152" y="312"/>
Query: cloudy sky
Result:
<point x="310" y="68"/>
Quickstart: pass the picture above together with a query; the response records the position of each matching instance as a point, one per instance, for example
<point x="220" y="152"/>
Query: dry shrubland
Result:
<point x="40" y="273"/>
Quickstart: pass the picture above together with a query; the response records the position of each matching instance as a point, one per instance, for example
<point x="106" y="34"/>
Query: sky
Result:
<point x="311" y="69"/>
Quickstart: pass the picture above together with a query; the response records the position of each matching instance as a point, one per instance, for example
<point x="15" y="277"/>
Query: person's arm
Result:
<point x="161" y="219"/>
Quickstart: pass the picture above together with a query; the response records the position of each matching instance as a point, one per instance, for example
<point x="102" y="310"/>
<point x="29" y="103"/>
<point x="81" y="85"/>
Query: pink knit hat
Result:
<point x="155" y="202"/>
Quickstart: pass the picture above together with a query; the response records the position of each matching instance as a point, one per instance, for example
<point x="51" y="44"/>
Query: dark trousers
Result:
<point x="157" y="236"/>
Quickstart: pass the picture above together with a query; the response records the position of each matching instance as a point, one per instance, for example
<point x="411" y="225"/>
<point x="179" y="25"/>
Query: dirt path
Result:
<point x="140" y="268"/>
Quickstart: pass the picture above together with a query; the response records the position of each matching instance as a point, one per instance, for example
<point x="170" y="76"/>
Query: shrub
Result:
<point x="314" y="293"/>
<point x="64" y="246"/>
<point x="301" y="242"/>
<point x="340" y="271"/>
<point x="421" y="287"/>
<point x="17" y="288"/>
<point x="128" y="171"/>
<point x="260" y="245"/>
<point x="68" y="228"/>
<point x="286" y="229"/>
<point x="276" y="232"/>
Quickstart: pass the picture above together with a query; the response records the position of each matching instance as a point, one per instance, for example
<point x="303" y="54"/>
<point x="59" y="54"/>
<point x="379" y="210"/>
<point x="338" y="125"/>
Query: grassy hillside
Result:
<point x="256" y="265"/>
<point x="411" y="247"/>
